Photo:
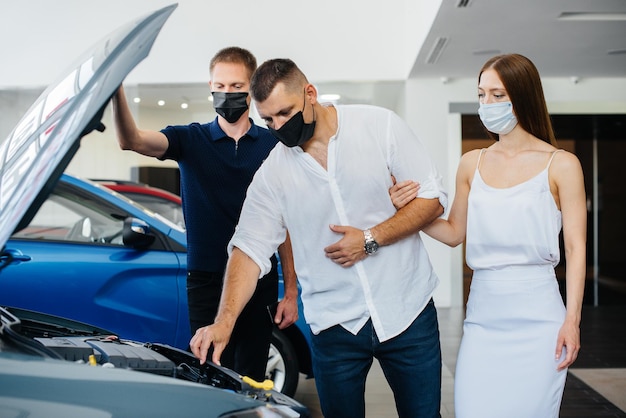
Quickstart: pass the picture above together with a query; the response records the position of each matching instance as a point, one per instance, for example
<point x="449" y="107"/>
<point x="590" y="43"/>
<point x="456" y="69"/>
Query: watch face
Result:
<point x="371" y="247"/>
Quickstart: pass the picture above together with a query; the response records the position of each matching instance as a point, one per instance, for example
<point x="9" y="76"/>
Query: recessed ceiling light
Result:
<point x="487" y="52"/>
<point x="161" y="102"/>
<point x="436" y="50"/>
<point x="137" y="100"/>
<point x="592" y="16"/>
<point x="184" y="105"/>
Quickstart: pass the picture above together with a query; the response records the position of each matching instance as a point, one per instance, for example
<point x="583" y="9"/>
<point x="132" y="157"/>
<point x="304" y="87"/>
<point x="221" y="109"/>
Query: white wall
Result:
<point x="427" y="112"/>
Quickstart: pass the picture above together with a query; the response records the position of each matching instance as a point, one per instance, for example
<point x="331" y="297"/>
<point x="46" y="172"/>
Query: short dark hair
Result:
<point x="272" y="72"/>
<point x="237" y="55"/>
<point x="523" y="85"/>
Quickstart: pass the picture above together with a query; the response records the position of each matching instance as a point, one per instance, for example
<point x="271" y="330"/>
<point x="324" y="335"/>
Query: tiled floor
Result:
<point x="596" y="386"/>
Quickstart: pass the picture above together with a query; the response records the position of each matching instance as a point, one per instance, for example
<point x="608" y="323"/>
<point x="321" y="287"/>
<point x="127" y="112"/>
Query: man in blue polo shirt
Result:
<point x="217" y="161"/>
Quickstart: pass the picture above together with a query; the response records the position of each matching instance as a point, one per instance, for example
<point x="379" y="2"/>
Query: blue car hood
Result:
<point x="40" y="147"/>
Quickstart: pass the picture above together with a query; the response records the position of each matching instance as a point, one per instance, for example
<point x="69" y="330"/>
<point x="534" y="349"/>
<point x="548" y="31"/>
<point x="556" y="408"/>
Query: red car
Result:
<point x="160" y="201"/>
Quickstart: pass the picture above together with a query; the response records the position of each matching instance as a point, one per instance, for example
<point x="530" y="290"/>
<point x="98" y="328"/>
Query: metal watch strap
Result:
<point x="370" y="245"/>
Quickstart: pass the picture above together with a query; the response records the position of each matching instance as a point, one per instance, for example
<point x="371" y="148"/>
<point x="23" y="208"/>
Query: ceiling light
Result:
<point x="184" y="105"/>
<point x="211" y="98"/>
<point x="137" y="100"/>
<point x="592" y="16"/>
<point x="493" y="52"/>
<point x="161" y="102"/>
<point x="437" y="49"/>
<point x="330" y="97"/>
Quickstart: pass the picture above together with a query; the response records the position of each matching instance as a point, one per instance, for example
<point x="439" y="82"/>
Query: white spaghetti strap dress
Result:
<point x="506" y="366"/>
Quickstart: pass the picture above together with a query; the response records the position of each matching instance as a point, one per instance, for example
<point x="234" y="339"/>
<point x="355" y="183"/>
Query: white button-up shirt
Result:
<point x="291" y="191"/>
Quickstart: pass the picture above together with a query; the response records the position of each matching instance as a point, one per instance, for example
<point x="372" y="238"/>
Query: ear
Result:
<point x="311" y="93"/>
<point x="210" y="85"/>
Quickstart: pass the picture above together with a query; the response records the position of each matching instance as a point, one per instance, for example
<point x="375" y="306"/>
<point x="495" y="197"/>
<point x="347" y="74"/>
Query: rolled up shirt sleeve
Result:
<point x="260" y="229"/>
<point x="409" y="159"/>
<point x="432" y="188"/>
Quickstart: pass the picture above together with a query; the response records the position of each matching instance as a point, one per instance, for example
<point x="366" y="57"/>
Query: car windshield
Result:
<point x="171" y="210"/>
<point x="74" y="217"/>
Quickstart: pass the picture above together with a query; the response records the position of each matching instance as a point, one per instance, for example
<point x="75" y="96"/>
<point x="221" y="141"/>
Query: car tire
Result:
<point x="282" y="364"/>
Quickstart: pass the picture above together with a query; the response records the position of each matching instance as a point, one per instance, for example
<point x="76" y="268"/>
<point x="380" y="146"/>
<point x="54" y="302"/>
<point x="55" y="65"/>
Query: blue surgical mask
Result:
<point x="498" y="117"/>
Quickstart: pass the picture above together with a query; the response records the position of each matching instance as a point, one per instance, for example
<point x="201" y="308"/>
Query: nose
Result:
<point x="279" y="122"/>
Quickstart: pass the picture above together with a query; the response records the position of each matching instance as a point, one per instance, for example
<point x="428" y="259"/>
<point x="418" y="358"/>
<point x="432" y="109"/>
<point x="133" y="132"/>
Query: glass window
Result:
<point x="67" y="216"/>
<point x="172" y="211"/>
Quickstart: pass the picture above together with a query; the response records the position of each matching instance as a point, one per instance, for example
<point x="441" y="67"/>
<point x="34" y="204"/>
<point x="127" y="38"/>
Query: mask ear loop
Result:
<point x="314" y="116"/>
<point x="304" y="106"/>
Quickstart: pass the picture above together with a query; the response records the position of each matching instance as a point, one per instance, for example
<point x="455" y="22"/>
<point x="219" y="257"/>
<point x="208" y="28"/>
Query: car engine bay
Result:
<point x="34" y="333"/>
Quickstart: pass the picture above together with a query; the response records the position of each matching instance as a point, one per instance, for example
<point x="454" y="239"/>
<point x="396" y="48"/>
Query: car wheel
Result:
<point x="282" y="364"/>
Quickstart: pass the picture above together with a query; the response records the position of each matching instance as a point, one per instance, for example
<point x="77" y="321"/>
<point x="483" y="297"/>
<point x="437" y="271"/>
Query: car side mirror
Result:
<point x="137" y="233"/>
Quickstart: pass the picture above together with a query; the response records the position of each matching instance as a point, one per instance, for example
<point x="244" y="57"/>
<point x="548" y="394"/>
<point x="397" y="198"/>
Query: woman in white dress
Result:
<point x="512" y="200"/>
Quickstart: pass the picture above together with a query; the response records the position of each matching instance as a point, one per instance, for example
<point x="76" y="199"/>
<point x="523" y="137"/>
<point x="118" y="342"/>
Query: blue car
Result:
<point x="81" y="252"/>
<point x="76" y="262"/>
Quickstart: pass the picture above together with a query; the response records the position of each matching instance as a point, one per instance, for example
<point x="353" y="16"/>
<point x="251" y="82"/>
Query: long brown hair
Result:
<point x="523" y="85"/>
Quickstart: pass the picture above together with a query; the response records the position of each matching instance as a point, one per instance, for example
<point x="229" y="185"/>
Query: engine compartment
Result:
<point x="53" y="337"/>
<point x="110" y="351"/>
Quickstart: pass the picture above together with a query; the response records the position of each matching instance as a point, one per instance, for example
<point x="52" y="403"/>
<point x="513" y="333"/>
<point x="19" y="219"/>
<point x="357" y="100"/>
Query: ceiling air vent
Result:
<point x="437" y="49"/>
<point x="463" y="3"/>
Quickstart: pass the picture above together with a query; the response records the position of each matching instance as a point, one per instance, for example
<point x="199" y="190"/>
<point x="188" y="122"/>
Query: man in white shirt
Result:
<point x="366" y="279"/>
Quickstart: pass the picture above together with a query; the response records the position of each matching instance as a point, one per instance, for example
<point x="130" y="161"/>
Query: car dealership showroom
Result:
<point x="93" y="267"/>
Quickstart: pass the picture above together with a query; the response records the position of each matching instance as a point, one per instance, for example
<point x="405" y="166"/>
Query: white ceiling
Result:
<point x="362" y="49"/>
<point x="594" y="46"/>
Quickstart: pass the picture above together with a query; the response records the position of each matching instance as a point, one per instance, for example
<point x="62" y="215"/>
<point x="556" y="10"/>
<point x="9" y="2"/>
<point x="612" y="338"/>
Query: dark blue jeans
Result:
<point x="411" y="363"/>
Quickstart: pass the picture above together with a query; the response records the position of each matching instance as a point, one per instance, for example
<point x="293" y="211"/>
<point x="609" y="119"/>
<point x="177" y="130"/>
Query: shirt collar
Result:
<point x="217" y="132"/>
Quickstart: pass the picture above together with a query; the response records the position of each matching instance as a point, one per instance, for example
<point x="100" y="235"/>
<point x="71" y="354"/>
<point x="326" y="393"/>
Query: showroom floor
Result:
<point x="596" y="386"/>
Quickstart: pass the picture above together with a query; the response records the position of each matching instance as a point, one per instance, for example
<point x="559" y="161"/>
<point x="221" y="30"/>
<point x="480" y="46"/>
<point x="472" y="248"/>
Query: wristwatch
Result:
<point x="371" y="246"/>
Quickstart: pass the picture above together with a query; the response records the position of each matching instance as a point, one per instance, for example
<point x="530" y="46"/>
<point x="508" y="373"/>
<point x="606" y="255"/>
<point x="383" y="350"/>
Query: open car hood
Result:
<point x="40" y="147"/>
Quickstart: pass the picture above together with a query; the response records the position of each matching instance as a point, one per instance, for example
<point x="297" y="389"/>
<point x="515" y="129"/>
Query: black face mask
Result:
<point x="295" y="132"/>
<point x="230" y="106"/>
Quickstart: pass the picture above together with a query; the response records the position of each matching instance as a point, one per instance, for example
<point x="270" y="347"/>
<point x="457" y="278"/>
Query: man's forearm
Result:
<point x="407" y="220"/>
<point x="124" y="123"/>
<point x="289" y="273"/>
<point x="129" y="136"/>
<point x="242" y="275"/>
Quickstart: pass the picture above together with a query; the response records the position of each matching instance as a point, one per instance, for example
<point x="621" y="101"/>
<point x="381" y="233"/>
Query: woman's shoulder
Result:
<point x="565" y="160"/>
<point x="474" y="153"/>
<point x="471" y="157"/>
<point x="469" y="162"/>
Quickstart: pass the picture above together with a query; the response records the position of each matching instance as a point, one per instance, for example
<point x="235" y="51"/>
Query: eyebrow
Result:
<point x="283" y="111"/>
<point x="491" y="89"/>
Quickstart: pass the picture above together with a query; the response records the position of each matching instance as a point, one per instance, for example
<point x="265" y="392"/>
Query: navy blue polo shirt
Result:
<point x="215" y="173"/>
